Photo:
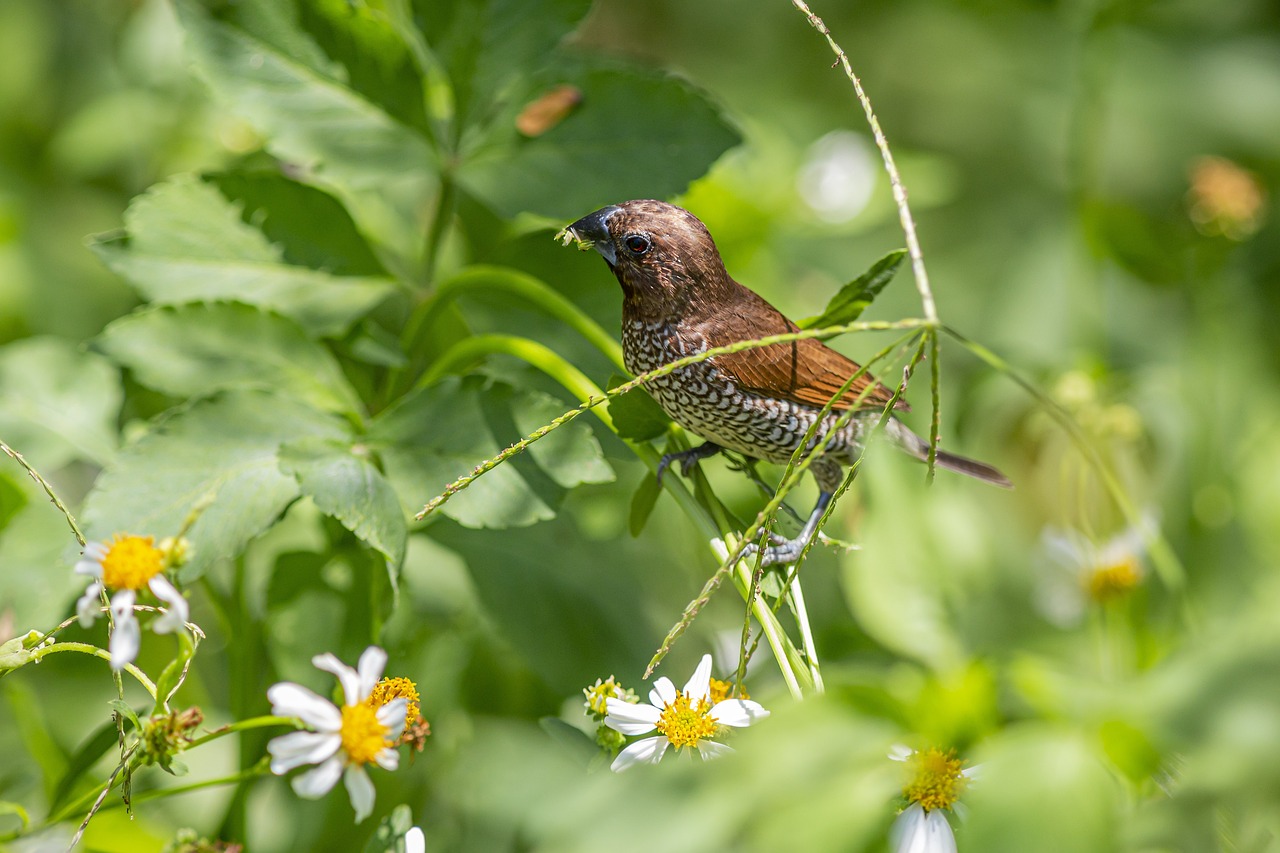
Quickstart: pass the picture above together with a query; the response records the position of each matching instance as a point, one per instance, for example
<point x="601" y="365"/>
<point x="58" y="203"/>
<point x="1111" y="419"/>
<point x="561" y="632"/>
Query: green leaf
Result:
<point x="490" y="46"/>
<point x="311" y="227"/>
<point x="91" y="750"/>
<point x="226" y="446"/>
<point x="344" y="484"/>
<point x="125" y="710"/>
<point x="12" y="499"/>
<point x="636" y="415"/>
<point x="170" y="677"/>
<point x="643" y="502"/>
<point x="17" y="811"/>
<point x="194" y="350"/>
<point x="439" y="433"/>
<point x="854" y="298"/>
<point x="187" y="243"/>
<point x="275" y="76"/>
<point x="57" y="403"/>
<point x="635" y="136"/>
<point x="31" y="722"/>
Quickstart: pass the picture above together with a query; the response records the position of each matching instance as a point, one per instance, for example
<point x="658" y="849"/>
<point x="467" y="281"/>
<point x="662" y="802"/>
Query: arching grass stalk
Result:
<point x="707" y="514"/>
<point x="1165" y="561"/>
<point x="790" y="478"/>
<point x="520" y="446"/>
<point x="796" y="469"/>
<point x="48" y="490"/>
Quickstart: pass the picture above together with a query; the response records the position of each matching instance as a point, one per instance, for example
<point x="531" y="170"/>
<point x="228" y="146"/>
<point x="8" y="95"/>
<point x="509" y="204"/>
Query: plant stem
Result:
<point x="87" y="649"/>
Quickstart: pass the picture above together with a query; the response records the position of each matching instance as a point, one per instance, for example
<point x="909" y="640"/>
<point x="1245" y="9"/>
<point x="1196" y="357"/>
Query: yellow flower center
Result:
<point x="720" y="691"/>
<point x="937" y="782"/>
<point x="598" y="693"/>
<point x="363" y="737"/>
<point x="685" y="724"/>
<point x="1111" y="581"/>
<point x="131" y="562"/>
<point x="390" y="689"/>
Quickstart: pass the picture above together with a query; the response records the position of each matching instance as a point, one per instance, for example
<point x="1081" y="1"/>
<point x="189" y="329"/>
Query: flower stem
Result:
<point x="87" y="649"/>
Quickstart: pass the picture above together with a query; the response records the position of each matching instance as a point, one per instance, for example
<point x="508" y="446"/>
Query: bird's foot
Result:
<point x="782" y="552"/>
<point x="687" y="458"/>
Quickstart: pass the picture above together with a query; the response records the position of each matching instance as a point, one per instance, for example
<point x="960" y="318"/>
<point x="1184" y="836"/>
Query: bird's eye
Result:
<point x="637" y="244"/>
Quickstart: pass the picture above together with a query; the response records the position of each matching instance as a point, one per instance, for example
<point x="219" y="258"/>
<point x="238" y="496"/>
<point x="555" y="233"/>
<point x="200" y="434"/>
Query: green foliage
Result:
<point x="437" y="432"/>
<point x="323" y="287"/>
<point x="856" y="296"/>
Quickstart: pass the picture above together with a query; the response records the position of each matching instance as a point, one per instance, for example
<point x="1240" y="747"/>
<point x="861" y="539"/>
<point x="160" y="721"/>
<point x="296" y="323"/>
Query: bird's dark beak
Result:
<point x="593" y="229"/>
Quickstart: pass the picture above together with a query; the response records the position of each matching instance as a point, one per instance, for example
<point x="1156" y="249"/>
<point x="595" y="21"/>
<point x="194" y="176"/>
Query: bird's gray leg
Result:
<point x="687" y="458"/>
<point x="829" y="474"/>
<point x="788" y="550"/>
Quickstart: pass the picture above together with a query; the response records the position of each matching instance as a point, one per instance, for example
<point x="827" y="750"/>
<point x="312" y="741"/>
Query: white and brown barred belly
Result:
<point x="704" y="401"/>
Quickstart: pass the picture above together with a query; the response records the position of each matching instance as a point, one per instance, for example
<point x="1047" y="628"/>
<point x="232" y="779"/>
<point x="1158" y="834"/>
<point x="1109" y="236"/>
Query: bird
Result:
<point x="679" y="300"/>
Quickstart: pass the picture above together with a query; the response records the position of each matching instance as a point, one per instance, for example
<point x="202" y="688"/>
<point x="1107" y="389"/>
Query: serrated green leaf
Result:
<point x="310" y="226"/>
<point x="275" y="76"/>
<point x="855" y="297"/>
<point x="187" y="243"/>
<point x="490" y="46"/>
<point x="193" y="350"/>
<point x="635" y="136"/>
<point x="57" y="403"/>
<point x="642" y="503"/>
<point x="636" y="415"/>
<point x="438" y="433"/>
<point x="344" y="484"/>
<point x="226" y="446"/>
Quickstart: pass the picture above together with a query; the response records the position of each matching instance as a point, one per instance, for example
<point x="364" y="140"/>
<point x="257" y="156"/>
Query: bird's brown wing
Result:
<point x="805" y="371"/>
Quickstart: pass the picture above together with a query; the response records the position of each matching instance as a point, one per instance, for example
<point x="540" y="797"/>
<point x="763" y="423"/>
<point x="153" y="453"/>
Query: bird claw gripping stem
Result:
<point x="687" y="459"/>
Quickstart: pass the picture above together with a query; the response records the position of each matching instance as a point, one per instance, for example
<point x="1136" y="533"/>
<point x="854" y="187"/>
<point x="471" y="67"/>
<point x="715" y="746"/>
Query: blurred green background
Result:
<point x="1094" y="187"/>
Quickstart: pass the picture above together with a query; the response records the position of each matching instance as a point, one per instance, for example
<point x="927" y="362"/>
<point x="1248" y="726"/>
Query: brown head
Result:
<point x="663" y="255"/>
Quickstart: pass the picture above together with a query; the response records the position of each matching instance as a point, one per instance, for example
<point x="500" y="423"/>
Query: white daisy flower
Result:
<point x="937" y="780"/>
<point x="339" y="741"/>
<point x="126" y="565"/>
<point x="415" y="841"/>
<point x="686" y="718"/>
<point x="1085" y="572"/>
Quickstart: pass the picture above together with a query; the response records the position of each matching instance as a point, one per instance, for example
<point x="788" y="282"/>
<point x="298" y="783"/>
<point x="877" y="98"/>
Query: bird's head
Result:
<point x="662" y="255"/>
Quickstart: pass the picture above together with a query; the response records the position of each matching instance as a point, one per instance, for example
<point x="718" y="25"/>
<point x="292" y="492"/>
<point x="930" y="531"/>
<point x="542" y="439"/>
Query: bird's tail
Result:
<point x="919" y="448"/>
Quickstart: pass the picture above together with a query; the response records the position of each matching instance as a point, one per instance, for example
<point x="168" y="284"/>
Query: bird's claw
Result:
<point x="782" y="552"/>
<point x="687" y="459"/>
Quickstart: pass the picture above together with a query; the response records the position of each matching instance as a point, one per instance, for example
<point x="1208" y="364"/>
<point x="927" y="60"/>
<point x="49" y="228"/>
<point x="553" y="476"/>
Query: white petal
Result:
<point x="699" y="684"/>
<point x="630" y="719"/>
<point x="392" y="716"/>
<point x="126" y="636"/>
<point x="87" y="565"/>
<point x="918" y="831"/>
<point x="708" y="749"/>
<point x="1065" y="548"/>
<point x="87" y="605"/>
<point x="663" y="693"/>
<point x="293" y="700"/>
<point x="415" y="841"/>
<point x="178" y="612"/>
<point x="372" y="662"/>
<point x="387" y="759"/>
<point x="900" y="752"/>
<point x="298" y="748"/>
<point x="738" y="712"/>
<point x="647" y="751"/>
<point x="318" y="781"/>
<point x="122" y="604"/>
<point x="360" y="790"/>
<point x="347" y="677"/>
